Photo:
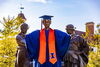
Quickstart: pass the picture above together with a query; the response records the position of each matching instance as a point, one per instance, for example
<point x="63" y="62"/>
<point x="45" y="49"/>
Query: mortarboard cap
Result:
<point x="46" y="17"/>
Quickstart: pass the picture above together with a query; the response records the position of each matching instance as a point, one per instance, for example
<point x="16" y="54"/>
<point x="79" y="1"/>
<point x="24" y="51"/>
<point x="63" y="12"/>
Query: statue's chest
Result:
<point x="74" y="43"/>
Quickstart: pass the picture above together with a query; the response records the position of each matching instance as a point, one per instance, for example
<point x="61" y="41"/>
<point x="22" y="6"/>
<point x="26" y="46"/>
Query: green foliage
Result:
<point x="7" y="41"/>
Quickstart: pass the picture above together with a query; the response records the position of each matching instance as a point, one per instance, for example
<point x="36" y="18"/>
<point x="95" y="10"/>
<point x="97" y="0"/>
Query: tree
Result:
<point x="98" y="27"/>
<point x="7" y="40"/>
<point x="94" y="54"/>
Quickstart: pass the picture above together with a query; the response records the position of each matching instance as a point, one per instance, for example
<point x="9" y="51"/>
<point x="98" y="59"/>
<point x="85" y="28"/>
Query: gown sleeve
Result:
<point x="32" y="44"/>
<point x="62" y="43"/>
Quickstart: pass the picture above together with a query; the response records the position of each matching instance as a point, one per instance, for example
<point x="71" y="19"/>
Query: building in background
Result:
<point x="89" y="30"/>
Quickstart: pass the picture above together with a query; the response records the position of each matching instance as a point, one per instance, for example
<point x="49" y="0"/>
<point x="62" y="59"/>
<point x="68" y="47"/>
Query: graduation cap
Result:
<point x="46" y="17"/>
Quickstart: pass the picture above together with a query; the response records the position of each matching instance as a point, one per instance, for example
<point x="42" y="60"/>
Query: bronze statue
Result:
<point x="21" y="55"/>
<point x="77" y="56"/>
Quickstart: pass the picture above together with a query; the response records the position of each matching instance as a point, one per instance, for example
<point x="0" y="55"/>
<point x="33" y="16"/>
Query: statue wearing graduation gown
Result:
<point x="47" y="46"/>
<point x="77" y="55"/>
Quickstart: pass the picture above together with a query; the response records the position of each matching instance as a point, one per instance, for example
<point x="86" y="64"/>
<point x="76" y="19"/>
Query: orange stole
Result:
<point x="51" y="46"/>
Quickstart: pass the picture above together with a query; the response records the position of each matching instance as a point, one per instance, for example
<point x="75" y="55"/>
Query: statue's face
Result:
<point x="46" y="23"/>
<point x="24" y="28"/>
<point x="70" y="31"/>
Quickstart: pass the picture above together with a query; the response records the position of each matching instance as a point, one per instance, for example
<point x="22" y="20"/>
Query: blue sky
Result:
<point x="76" y="12"/>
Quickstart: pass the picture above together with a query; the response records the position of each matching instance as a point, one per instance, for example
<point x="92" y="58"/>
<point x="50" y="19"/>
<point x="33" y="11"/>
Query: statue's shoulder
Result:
<point x="19" y="37"/>
<point x="78" y="36"/>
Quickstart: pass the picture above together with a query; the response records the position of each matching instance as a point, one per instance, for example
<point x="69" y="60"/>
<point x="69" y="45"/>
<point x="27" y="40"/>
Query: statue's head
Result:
<point x="24" y="27"/>
<point x="70" y="29"/>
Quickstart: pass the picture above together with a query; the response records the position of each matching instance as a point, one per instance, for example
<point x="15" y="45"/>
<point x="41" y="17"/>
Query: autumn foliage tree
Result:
<point x="7" y="40"/>
<point x="94" y="53"/>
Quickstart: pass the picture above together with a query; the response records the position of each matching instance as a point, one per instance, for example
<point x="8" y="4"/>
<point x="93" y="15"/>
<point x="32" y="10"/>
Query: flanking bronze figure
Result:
<point x="22" y="55"/>
<point x="77" y="56"/>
